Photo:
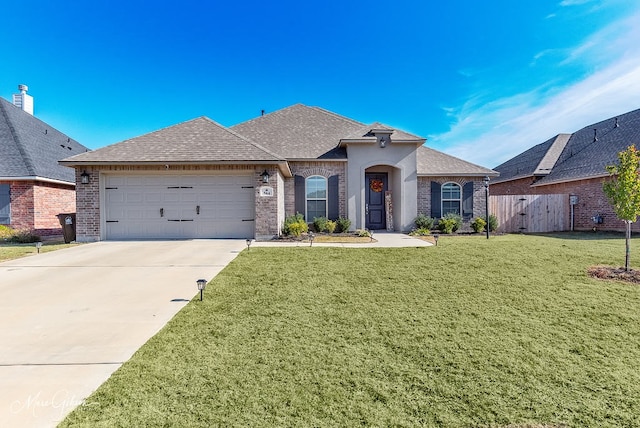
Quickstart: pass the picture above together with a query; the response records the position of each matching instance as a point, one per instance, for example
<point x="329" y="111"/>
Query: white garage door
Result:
<point x="179" y="207"/>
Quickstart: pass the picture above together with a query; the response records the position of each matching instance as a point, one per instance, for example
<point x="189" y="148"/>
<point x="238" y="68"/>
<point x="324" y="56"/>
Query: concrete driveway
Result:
<point x="70" y="318"/>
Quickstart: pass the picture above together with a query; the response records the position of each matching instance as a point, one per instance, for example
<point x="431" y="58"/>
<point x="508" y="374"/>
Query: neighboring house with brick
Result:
<point x="198" y="179"/>
<point x="574" y="164"/>
<point x="34" y="187"/>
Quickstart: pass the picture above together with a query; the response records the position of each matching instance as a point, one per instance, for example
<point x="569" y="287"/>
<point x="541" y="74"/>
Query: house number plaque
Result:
<point x="266" y="191"/>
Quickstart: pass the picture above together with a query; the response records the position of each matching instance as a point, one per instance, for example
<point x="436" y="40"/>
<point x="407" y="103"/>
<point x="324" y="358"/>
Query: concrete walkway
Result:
<point x="380" y="240"/>
<point x="70" y="318"/>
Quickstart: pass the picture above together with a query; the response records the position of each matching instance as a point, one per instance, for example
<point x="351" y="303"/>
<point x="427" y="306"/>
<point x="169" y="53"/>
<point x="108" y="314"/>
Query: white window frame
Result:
<point x="307" y="199"/>
<point x="443" y="199"/>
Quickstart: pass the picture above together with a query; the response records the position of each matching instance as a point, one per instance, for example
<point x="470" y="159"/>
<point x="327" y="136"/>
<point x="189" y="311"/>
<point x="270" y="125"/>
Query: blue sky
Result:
<point x="481" y="80"/>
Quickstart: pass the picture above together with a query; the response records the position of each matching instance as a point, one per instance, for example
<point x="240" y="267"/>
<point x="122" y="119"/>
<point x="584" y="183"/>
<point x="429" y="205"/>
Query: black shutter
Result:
<point x="5" y="204"/>
<point x="333" y="203"/>
<point x="299" y="194"/>
<point x="467" y="200"/>
<point x="436" y="206"/>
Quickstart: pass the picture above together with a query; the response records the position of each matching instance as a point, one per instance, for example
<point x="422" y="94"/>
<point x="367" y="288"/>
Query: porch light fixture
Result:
<point x="486" y="203"/>
<point x="84" y="177"/>
<point x="265" y="176"/>
<point x="202" y="283"/>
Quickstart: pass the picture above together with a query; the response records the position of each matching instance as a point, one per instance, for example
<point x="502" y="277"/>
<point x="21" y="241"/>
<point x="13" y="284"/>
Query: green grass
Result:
<point x="471" y="333"/>
<point x="9" y="251"/>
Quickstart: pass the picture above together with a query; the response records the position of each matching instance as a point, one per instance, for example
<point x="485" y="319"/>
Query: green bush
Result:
<point x="420" y="232"/>
<point x="24" y="237"/>
<point x="342" y="224"/>
<point x="331" y="226"/>
<point x="423" y="221"/>
<point x="320" y="224"/>
<point x="493" y="223"/>
<point x="5" y="232"/>
<point x="478" y="224"/>
<point x="363" y="233"/>
<point x="450" y="223"/>
<point x="295" y="225"/>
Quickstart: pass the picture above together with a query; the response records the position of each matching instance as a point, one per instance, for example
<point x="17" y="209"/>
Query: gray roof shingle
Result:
<point x="434" y="163"/>
<point x="582" y="156"/>
<point x="31" y="148"/>
<point x="199" y="140"/>
<point x="300" y="132"/>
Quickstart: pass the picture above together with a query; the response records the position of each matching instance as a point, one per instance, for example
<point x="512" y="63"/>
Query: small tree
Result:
<point x="623" y="191"/>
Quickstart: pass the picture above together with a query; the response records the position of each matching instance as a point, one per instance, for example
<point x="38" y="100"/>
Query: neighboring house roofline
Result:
<point x="569" y="180"/>
<point x="36" y="178"/>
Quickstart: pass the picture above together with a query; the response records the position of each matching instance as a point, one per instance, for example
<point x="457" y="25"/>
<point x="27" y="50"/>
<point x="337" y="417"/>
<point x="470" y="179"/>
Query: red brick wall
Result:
<point x="591" y="200"/>
<point x="49" y="201"/>
<point x="22" y="204"/>
<point x="34" y="205"/>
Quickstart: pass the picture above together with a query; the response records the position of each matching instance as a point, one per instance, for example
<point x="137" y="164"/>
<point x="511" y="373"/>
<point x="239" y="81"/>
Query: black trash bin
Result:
<point x="68" y="223"/>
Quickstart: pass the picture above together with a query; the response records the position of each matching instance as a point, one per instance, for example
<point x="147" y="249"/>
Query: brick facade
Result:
<point x="591" y="200"/>
<point x="424" y="193"/>
<point x="35" y="205"/>
<point x="324" y="169"/>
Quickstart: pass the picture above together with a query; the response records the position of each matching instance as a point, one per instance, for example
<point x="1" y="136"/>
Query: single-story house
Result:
<point x="34" y="187"/>
<point x="199" y="179"/>
<point x="574" y="164"/>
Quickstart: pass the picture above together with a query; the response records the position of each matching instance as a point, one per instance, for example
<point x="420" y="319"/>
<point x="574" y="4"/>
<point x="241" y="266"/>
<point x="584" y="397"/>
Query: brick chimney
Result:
<point x="22" y="100"/>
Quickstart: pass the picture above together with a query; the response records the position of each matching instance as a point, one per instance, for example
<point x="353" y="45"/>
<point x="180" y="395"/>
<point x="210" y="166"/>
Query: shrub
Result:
<point x="320" y="224"/>
<point x="5" y="232"/>
<point x="478" y="224"/>
<point x="493" y="222"/>
<point x="423" y="221"/>
<point x="363" y="233"/>
<point x="420" y="232"/>
<point x="343" y="224"/>
<point x="331" y="226"/>
<point x="450" y="223"/>
<point x="24" y="237"/>
<point x="295" y="225"/>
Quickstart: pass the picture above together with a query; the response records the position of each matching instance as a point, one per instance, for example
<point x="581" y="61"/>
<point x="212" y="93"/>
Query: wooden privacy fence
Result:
<point x="531" y="213"/>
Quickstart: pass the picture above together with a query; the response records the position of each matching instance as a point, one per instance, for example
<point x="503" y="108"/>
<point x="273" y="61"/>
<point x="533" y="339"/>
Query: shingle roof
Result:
<point x="434" y="163"/>
<point x="584" y="155"/>
<point x="200" y="140"/>
<point x="31" y="148"/>
<point x="300" y="132"/>
<point x="538" y="160"/>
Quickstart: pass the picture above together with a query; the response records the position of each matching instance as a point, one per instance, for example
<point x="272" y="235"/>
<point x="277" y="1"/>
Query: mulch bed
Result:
<point x="614" y="273"/>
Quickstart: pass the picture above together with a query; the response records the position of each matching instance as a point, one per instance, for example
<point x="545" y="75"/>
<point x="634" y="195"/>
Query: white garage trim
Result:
<point x="171" y="206"/>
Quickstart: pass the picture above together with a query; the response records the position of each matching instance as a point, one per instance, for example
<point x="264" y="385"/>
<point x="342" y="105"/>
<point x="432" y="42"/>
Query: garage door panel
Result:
<point x="223" y="202"/>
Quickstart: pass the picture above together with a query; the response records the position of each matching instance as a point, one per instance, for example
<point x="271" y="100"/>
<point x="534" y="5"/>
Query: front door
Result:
<point x="375" y="218"/>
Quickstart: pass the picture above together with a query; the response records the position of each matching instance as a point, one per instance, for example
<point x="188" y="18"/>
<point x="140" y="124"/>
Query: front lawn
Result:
<point x="10" y="251"/>
<point x="502" y="332"/>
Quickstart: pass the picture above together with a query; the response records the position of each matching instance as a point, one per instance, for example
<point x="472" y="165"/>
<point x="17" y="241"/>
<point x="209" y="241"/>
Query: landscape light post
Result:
<point x="486" y="201"/>
<point x="202" y="283"/>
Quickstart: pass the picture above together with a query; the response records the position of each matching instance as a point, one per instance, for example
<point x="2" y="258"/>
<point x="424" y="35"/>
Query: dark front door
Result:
<point x="374" y="204"/>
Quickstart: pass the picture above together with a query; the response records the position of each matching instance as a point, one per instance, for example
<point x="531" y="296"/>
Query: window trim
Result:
<point x="307" y="199"/>
<point x="443" y="199"/>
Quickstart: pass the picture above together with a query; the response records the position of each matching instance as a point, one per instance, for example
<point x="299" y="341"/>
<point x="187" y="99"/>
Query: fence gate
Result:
<point x="531" y="213"/>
